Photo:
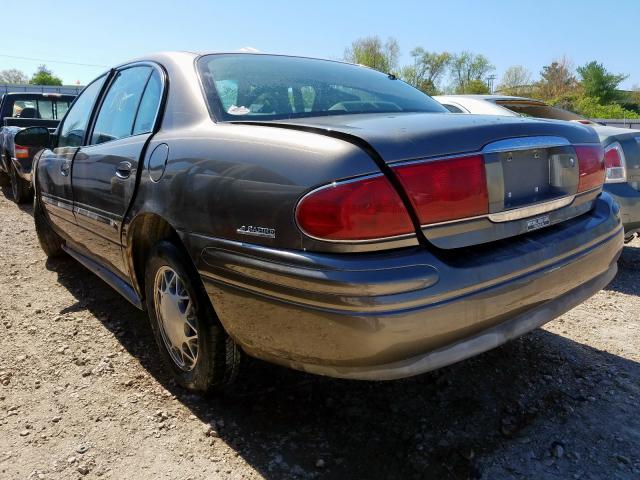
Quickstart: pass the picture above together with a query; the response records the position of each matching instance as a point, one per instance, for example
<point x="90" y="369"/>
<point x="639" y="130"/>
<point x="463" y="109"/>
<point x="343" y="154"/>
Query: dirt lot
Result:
<point x="82" y="396"/>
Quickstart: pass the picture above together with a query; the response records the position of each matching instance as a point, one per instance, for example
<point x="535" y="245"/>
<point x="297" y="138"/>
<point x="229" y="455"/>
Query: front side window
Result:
<point x="118" y="110"/>
<point x="73" y="128"/>
<point x="271" y="87"/>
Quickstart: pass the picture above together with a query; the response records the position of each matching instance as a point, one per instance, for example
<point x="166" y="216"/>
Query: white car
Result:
<point x="621" y="145"/>
<point x="508" y="106"/>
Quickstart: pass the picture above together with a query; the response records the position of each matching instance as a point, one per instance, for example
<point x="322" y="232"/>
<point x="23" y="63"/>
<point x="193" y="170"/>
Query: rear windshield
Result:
<point x="538" y="110"/>
<point x="47" y="109"/>
<point x="272" y="87"/>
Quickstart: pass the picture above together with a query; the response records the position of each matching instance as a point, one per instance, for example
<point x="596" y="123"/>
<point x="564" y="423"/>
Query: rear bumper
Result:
<point x="628" y="199"/>
<point x="399" y="313"/>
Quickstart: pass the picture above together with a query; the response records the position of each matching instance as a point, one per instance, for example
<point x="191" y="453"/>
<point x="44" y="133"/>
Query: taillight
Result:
<point x="614" y="163"/>
<point x="21" y="152"/>
<point x="449" y="189"/>
<point x="364" y="209"/>
<point x="590" y="166"/>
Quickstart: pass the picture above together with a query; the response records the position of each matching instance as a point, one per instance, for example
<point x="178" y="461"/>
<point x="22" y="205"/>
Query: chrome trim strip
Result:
<point x="56" y="202"/>
<point x="525" y="143"/>
<point x="94" y="216"/>
<point x="531" y="210"/>
<point x="523" y="209"/>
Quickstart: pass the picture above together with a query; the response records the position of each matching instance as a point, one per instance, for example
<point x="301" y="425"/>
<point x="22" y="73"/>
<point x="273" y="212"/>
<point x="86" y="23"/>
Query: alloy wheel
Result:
<point x="176" y="318"/>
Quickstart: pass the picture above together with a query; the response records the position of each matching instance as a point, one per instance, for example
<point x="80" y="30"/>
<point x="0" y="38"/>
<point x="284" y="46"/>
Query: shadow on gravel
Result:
<point x="460" y="422"/>
<point x="629" y="272"/>
<point x="25" y="207"/>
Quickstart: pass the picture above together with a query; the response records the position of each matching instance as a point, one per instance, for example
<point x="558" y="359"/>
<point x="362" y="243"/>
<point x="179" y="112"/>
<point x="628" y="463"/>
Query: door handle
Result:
<point x="123" y="170"/>
<point x="65" y="168"/>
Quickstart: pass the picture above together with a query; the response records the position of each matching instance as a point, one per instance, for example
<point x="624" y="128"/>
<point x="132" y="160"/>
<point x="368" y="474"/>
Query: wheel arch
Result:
<point x="144" y="231"/>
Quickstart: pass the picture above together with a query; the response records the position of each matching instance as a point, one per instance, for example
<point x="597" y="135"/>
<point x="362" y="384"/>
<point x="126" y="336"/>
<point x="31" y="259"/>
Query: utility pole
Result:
<point x="490" y="80"/>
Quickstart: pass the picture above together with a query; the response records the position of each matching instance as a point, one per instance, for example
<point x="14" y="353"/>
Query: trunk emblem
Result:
<point x="257" y="231"/>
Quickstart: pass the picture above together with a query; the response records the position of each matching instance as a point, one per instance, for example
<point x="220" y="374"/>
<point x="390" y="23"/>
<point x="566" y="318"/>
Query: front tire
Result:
<point x="192" y="342"/>
<point x="50" y="241"/>
<point x="20" y="189"/>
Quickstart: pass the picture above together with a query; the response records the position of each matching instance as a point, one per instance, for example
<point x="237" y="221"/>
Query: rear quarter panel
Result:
<point x="222" y="177"/>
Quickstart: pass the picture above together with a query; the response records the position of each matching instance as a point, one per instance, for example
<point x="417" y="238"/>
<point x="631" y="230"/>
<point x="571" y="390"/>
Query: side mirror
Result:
<point x="33" y="137"/>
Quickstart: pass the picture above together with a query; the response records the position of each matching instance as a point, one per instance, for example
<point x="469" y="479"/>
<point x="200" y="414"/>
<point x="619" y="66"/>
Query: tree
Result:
<point x="467" y="67"/>
<point x="557" y="79"/>
<point x="592" y="108"/>
<point x="515" y="81"/>
<point x="44" y="76"/>
<point x="13" y="75"/>
<point x="597" y="82"/>
<point x="477" y="87"/>
<point x="427" y="69"/>
<point x="370" y="51"/>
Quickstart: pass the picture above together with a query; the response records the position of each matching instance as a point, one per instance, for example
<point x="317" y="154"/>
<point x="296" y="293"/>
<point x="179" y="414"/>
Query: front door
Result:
<point x="54" y="167"/>
<point x="105" y="169"/>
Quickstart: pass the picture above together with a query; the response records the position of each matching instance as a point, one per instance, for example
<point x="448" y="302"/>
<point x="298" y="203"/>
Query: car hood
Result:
<point x="407" y="136"/>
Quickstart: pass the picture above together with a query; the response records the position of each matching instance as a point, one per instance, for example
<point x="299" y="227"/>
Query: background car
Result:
<point x="320" y="215"/>
<point x="17" y="111"/>
<point x="622" y="145"/>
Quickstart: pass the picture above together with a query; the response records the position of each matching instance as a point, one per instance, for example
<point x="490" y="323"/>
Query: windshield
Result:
<point x="538" y="110"/>
<point x="272" y="87"/>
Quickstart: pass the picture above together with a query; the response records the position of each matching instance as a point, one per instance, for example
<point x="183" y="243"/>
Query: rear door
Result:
<point x="105" y="169"/>
<point x="54" y="167"/>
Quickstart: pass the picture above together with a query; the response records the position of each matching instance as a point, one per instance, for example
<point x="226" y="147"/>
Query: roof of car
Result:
<point x="490" y="97"/>
<point x="171" y="55"/>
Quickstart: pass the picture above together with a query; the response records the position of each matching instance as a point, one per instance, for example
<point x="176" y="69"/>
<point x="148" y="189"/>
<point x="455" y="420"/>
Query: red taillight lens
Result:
<point x="356" y="210"/>
<point x="614" y="163"/>
<point x="591" y="166"/>
<point x="448" y="189"/>
<point x="21" y="152"/>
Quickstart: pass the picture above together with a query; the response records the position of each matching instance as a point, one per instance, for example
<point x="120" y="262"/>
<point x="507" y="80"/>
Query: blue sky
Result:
<point x="525" y="32"/>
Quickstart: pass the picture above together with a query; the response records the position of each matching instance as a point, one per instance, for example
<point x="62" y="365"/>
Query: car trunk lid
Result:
<point x="486" y="177"/>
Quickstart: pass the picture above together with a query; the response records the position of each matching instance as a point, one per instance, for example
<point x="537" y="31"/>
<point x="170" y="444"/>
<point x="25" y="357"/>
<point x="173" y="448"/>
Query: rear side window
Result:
<point x="452" y="108"/>
<point x="149" y="105"/>
<point x="60" y="108"/>
<point x="118" y="110"/>
<point x="74" y="126"/>
<point x="52" y="109"/>
<point x="539" y="110"/>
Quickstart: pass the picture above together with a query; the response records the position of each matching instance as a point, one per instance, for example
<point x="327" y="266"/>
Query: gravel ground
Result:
<point x="82" y="395"/>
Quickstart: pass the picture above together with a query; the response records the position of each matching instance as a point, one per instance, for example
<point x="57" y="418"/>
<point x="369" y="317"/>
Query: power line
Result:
<point x="53" y="61"/>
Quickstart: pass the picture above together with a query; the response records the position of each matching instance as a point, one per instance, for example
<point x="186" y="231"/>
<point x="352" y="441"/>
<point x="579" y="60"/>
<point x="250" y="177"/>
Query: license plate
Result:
<point x="538" y="222"/>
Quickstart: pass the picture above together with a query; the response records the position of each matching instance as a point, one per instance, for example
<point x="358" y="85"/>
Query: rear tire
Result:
<point x="20" y="189"/>
<point x="193" y="344"/>
<point x="4" y="177"/>
<point x="50" y="241"/>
